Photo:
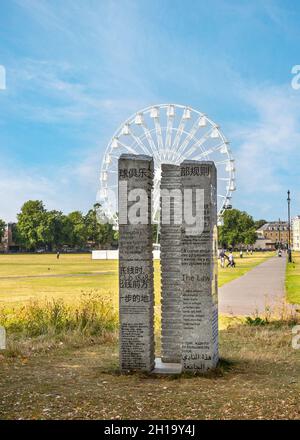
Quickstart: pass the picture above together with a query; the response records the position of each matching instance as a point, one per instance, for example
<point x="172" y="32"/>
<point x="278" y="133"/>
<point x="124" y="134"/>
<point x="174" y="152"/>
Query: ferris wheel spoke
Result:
<point x="169" y="133"/>
<point x="190" y="136"/>
<point x="210" y="151"/>
<point x="222" y="162"/>
<point x="127" y="147"/>
<point x="112" y="156"/>
<point x="140" y="143"/>
<point x="150" y="141"/>
<point x="201" y="141"/>
<point x="188" y="153"/>
<point x="158" y="134"/>
<point x="178" y="135"/>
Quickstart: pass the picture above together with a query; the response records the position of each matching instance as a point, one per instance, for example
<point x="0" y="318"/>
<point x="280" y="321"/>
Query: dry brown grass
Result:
<point x="258" y="377"/>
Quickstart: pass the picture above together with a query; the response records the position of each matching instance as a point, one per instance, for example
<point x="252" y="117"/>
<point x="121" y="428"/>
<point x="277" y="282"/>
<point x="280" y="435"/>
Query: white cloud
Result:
<point x="68" y="188"/>
<point x="268" y="150"/>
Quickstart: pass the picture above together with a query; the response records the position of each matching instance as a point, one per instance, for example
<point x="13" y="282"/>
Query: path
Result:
<point x="261" y="286"/>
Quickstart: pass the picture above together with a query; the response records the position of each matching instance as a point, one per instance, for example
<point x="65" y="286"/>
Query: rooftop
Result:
<point x="273" y="225"/>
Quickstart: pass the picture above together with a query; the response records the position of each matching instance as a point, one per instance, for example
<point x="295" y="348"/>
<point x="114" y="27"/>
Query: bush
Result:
<point x="256" y="321"/>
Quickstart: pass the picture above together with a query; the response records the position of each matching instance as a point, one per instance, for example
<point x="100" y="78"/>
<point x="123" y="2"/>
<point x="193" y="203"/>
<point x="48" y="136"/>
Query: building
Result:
<point x="7" y="244"/>
<point x="296" y="233"/>
<point x="272" y="235"/>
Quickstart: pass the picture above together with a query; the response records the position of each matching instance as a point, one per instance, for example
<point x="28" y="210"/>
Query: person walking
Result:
<point x="57" y="255"/>
<point x="222" y="258"/>
<point x="231" y="261"/>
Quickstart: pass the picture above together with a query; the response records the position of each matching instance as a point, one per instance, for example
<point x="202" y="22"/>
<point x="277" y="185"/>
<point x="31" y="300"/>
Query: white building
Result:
<point x="296" y="233"/>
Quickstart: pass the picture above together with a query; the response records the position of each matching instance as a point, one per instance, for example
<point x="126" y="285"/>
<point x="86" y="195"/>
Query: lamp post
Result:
<point x="289" y="228"/>
<point x="279" y="236"/>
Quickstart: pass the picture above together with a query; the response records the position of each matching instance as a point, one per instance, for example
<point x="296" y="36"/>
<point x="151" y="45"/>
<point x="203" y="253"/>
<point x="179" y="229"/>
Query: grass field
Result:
<point x="62" y="361"/>
<point x="259" y="378"/>
<point x="26" y="277"/>
<point x="293" y="279"/>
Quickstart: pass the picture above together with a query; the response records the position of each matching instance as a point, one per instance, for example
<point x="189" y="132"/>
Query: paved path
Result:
<point x="261" y="286"/>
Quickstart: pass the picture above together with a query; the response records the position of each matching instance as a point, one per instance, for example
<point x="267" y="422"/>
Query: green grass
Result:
<point x="293" y="279"/>
<point x="88" y="275"/>
<point x="16" y="290"/>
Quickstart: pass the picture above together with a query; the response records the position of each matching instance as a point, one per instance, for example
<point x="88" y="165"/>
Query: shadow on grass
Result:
<point x="224" y="366"/>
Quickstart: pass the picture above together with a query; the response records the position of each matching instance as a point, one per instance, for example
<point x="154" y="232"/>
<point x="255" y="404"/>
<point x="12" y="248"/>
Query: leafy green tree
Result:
<point x="38" y="227"/>
<point x="238" y="229"/>
<point x="249" y="236"/>
<point x="154" y="233"/>
<point x="2" y="229"/>
<point x="99" y="231"/>
<point x="29" y="227"/>
<point x="55" y="229"/>
<point x="77" y="229"/>
<point x="259" y="223"/>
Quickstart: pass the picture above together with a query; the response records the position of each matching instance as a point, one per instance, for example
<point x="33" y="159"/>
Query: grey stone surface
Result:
<point x="2" y="338"/>
<point x="199" y="274"/>
<point x="136" y="289"/>
<point x="170" y="260"/>
<point x="166" y="367"/>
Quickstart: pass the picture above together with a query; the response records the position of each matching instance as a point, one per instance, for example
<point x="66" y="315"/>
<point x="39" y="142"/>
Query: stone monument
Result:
<point x="188" y="263"/>
<point x="170" y="260"/>
<point x="136" y="290"/>
<point x="199" y="269"/>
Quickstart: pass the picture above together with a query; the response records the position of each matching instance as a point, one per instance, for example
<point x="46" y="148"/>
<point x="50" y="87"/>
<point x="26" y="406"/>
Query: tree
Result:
<point x="249" y="236"/>
<point x="99" y="231"/>
<point x="154" y="233"/>
<point x="238" y="229"/>
<point x="77" y="229"/>
<point x="38" y="227"/>
<point x="2" y="229"/>
<point x="54" y="230"/>
<point x="259" y="223"/>
<point x="29" y="227"/>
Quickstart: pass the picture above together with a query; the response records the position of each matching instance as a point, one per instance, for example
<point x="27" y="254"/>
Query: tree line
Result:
<point x="38" y="228"/>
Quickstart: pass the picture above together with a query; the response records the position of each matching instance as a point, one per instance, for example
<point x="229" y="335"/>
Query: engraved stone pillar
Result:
<point x="2" y="338"/>
<point x="170" y="260"/>
<point x="199" y="271"/>
<point x="136" y="290"/>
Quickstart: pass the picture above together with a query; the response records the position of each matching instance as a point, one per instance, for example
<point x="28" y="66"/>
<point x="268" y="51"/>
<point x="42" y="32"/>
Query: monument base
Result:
<point x="166" y="368"/>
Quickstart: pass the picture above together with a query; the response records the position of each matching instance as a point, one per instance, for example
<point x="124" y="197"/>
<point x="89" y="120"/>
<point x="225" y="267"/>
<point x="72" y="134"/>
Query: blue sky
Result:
<point x="75" y="69"/>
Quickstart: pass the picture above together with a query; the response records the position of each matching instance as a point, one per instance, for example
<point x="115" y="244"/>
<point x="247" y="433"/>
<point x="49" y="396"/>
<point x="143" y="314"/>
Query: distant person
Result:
<point x="222" y="257"/>
<point x="57" y="255"/>
<point x="241" y="254"/>
<point x="231" y="261"/>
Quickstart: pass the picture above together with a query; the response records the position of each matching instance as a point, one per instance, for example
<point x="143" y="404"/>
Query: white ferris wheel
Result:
<point x="170" y="133"/>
